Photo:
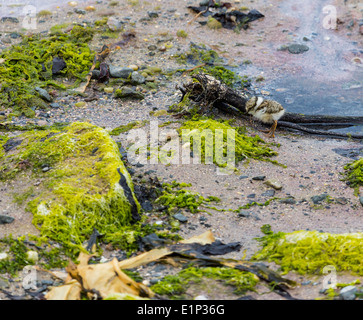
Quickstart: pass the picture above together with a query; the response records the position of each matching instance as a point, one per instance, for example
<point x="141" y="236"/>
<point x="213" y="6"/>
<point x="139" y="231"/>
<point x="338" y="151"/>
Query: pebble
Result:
<point x="317" y="199"/>
<point x="120" y="72"/>
<point x="114" y="24"/>
<point x="137" y="78"/>
<point x="153" y="14"/>
<point x="80" y="104"/>
<point x="32" y="256"/>
<point x="361" y="200"/>
<point x="348" y="293"/>
<point x="201" y="297"/>
<point x="44" y="94"/>
<point x="3" y="255"/>
<point x="244" y="214"/>
<point x="80" y="11"/>
<point x="259" y="178"/>
<point x="297" y="48"/>
<point x="180" y="217"/>
<point x="274" y="184"/>
<point x="133" y="67"/>
<point x="6" y="219"/>
<point x="268" y="193"/>
<point x="108" y="90"/>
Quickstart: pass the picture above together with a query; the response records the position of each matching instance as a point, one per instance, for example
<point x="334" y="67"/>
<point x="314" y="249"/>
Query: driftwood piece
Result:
<point x="209" y="92"/>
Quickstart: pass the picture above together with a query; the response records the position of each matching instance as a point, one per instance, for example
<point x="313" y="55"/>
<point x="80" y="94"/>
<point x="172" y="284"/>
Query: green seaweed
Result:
<point x="244" y="147"/>
<point x="80" y="191"/>
<point x="354" y="174"/>
<point x="177" y="285"/>
<point x="127" y="127"/>
<point x="308" y="252"/>
<point x="175" y="196"/>
<point x="29" y="65"/>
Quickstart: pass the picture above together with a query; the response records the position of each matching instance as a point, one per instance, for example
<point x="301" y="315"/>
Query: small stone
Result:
<point x="259" y="178"/>
<point x="120" y="72"/>
<point x="319" y="198"/>
<point x="90" y="8"/>
<point x="3" y="255"/>
<point x="80" y="11"/>
<point x="288" y="201"/>
<point x="153" y="14"/>
<point x="55" y="105"/>
<point x="201" y="297"/>
<point x="44" y="94"/>
<point x="108" y="90"/>
<point x="251" y="196"/>
<point x="137" y="78"/>
<point x="32" y="256"/>
<point x="297" y="48"/>
<point x="274" y="184"/>
<point x="243" y="177"/>
<point x="361" y="200"/>
<point x="45" y="169"/>
<point x="268" y="193"/>
<point x="6" y="219"/>
<point x="114" y="24"/>
<point x="10" y="19"/>
<point x="180" y="217"/>
<point x="133" y="67"/>
<point x="348" y="293"/>
<point x="244" y="214"/>
<point x="80" y="104"/>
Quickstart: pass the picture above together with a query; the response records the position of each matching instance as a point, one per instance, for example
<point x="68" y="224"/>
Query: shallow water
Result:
<point x="327" y="79"/>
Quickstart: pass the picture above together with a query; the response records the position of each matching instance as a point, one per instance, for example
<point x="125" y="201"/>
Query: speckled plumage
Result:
<point x="267" y="111"/>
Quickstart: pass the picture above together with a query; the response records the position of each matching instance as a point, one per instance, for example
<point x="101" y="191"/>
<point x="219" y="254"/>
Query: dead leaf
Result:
<point x="69" y="291"/>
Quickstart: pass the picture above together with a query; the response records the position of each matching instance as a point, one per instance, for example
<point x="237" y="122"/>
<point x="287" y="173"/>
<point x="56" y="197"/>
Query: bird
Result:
<point x="267" y="111"/>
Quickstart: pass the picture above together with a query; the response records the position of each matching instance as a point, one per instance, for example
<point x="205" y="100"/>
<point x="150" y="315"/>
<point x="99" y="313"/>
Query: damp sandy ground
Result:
<point x="313" y="166"/>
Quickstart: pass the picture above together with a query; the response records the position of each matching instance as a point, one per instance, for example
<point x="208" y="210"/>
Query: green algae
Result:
<point x="127" y="127"/>
<point x="17" y="248"/>
<point x="176" y="286"/>
<point x="175" y="196"/>
<point x="236" y="146"/>
<point x="80" y="189"/>
<point x="308" y="252"/>
<point x="29" y="64"/>
<point x="354" y="174"/>
<point x="211" y="64"/>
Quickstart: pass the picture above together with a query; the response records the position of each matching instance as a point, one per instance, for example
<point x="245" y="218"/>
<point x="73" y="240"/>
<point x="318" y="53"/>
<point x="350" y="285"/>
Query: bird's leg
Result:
<point x="271" y="133"/>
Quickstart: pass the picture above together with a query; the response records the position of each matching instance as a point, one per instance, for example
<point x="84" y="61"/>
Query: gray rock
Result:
<point x="114" y="24"/>
<point x="297" y="48"/>
<point x="274" y="184"/>
<point x="180" y="217"/>
<point x="244" y="214"/>
<point x="80" y="11"/>
<point x="55" y="105"/>
<point x="44" y="94"/>
<point x="268" y="193"/>
<point x="288" y="201"/>
<point x="361" y="200"/>
<point x="319" y="198"/>
<point x="348" y="293"/>
<point x="6" y="219"/>
<point x="10" y="19"/>
<point x="137" y="78"/>
<point x="153" y="14"/>
<point x="120" y="72"/>
<point x="259" y="178"/>
<point x="129" y="93"/>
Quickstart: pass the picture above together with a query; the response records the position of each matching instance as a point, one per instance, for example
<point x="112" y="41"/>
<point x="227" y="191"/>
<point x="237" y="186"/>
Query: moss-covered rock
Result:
<point x="354" y="174"/>
<point x="85" y="184"/>
<point x="308" y="252"/>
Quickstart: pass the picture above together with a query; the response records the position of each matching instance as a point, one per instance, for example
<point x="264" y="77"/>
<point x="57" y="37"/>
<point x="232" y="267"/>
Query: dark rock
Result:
<point x="6" y="219"/>
<point x="251" y="196"/>
<point x="361" y="200"/>
<point x="288" y="201"/>
<point x="137" y="78"/>
<point x="58" y="65"/>
<point x="120" y="72"/>
<point x="259" y="178"/>
<point x="80" y="11"/>
<point x="297" y="48"/>
<point x="44" y="94"/>
<point x="180" y="217"/>
<point x="319" y="198"/>
<point x="243" y="177"/>
<point x="55" y="105"/>
<point x="244" y="214"/>
<point x="11" y="143"/>
<point x="150" y="241"/>
<point x="10" y="19"/>
<point x="147" y="206"/>
<point x="14" y="35"/>
<point x="153" y="14"/>
<point x="268" y="193"/>
<point x="129" y="93"/>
